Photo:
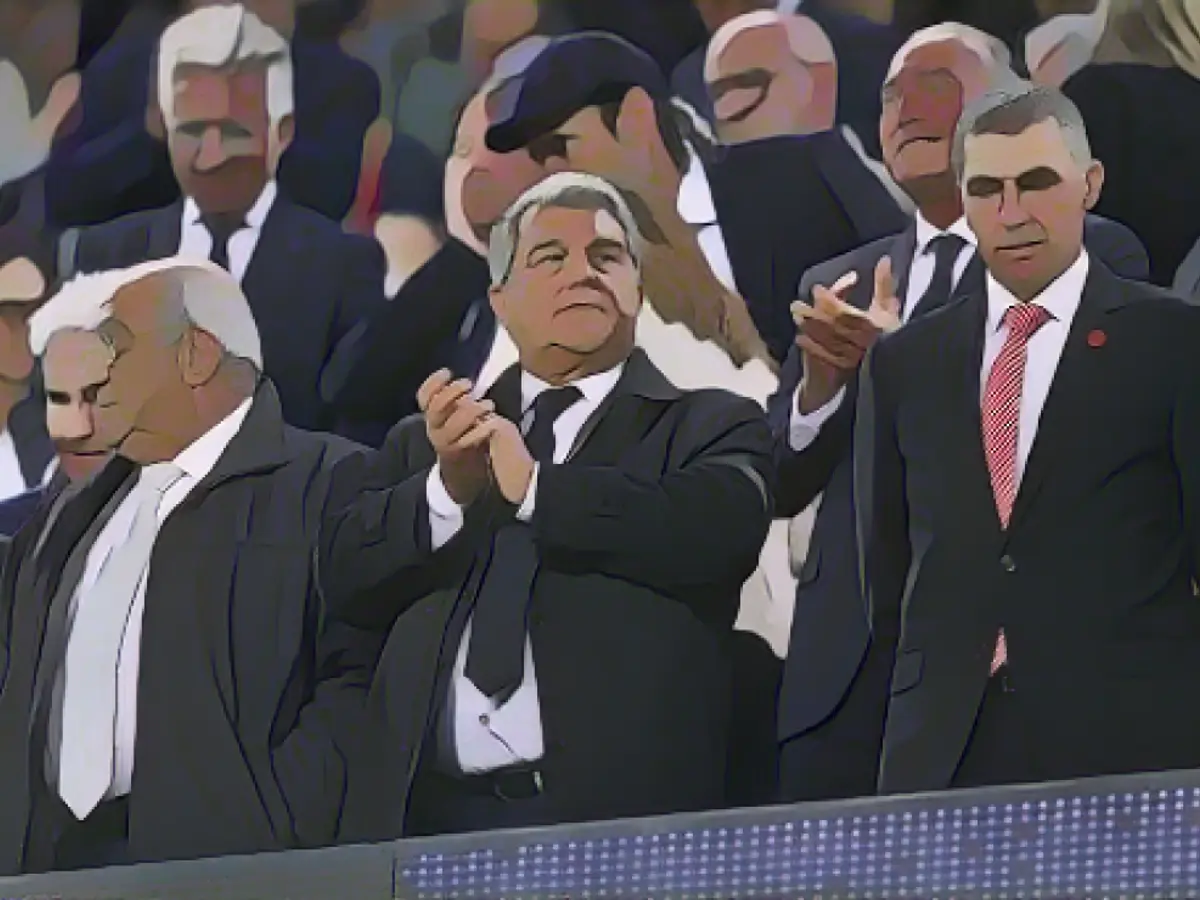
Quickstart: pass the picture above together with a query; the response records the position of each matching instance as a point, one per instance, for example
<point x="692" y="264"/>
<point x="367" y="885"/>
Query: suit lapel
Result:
<point x="1070" y="390"/>
<point x="262" y="280"/>
<point x="901" y="252"/>
<point x="624" y="409"/>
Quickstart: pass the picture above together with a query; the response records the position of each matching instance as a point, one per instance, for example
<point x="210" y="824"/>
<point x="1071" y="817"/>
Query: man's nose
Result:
<point x="211" y="154"/>
<point x="67" y="423"/>
<point x="1012" y="213"/>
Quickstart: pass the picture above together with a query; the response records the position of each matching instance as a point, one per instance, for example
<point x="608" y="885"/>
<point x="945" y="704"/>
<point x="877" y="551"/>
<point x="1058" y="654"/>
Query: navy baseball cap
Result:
<point x="568" y="74"/>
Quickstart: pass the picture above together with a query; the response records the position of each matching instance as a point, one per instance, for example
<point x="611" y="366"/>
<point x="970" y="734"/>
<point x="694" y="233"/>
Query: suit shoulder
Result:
<point x="718" y="405"/>
<point x="861" y="259"/>
<point x="318" y="227"/>
<point x="324" y="449"/>
<point x="143" y="219"/>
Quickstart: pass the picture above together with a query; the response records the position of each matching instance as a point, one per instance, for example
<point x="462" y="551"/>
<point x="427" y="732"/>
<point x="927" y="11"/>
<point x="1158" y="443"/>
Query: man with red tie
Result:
<point x="1034" y="489"/>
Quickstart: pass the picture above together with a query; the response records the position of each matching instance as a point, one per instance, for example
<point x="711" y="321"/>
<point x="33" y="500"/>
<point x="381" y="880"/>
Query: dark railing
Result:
<point x="1131" y="837"/>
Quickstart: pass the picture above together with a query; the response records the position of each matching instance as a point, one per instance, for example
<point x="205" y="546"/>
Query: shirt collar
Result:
<point x="927" y="232"/>
<point x="202" y="454"/>
<point x="787" y="7"/>
<point x="255" y="217"/>
<point x="695" y="202"/>
<point x="593" y="387"/>
<point x="1060" y="298"/>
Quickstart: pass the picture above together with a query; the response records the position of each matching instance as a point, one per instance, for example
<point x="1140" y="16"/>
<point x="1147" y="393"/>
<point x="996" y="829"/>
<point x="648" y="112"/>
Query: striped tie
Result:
<point x="1002" y="418"/>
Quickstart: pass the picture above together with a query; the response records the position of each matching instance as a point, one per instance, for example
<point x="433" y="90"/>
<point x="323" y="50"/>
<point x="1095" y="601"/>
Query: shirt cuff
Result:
<point x="445" y="516"/>
<point x="525" y="510"/>
<point x="805" y="427"/>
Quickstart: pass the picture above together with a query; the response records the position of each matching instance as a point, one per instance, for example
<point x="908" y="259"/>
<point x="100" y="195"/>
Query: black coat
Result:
<point x="237" y="705"/>
<point x="309" y="283"/>
<point x="1092" y="581"/>
<point x="632" y="611"/>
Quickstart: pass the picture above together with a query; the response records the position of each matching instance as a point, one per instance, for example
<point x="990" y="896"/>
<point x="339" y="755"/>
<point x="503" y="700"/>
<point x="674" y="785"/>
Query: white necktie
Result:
<point x="89" y="698"/>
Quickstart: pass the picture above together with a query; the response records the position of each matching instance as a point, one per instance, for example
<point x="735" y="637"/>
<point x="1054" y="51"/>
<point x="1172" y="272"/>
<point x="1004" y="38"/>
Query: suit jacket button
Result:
<point x="1008" y="564"/>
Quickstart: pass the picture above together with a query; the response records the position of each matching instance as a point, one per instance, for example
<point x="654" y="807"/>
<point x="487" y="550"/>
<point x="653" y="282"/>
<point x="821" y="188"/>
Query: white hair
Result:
<point x="806" y="39"/>
<point x="208" y="299"/>
<point x="992" y="51"/>
<point x="219" y="37"/>
<point x="570" y="190"/>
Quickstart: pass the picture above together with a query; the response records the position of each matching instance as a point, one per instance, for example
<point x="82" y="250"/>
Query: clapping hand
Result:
<point x="452" y="416"/>
<point x="834" y="335"/>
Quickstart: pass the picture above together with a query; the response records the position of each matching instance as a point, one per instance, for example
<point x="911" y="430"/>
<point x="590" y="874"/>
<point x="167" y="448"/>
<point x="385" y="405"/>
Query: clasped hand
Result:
<point x="473" y="443"/>
<point x="834" y="335"/>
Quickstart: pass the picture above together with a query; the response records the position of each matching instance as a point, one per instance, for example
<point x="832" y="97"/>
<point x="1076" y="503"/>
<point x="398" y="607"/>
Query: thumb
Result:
<point x="884" y="296"/>
<point x="63" y="97"/>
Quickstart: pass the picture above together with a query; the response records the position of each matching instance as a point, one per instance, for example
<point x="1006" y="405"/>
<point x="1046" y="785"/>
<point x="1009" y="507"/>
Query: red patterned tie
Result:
<point x="1002" y="417"/>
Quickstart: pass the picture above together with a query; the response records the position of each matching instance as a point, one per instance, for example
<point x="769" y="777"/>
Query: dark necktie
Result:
<point x="221" y="229"/>
<point x="945" y="249"/>
<point x="496" y="653"/>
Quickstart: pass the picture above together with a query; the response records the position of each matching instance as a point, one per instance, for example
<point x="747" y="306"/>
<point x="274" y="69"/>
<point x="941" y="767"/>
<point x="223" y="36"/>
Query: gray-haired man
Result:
<point x="1037" y="489"/>
<point x="559" y="561"/>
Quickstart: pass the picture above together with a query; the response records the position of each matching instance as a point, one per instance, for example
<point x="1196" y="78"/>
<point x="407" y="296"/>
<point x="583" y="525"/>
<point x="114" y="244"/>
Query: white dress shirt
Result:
<point x="696" y="208"/>
<point x="196" y="462"/>
<point x="195" y="241"/>
<point x="1061" y="299"/>
<point x="487" y="736"/>
<point x="804" y="428"/>
<point x="12" y="480"/>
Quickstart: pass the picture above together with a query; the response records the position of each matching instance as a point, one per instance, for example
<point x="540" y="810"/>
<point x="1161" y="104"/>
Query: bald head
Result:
<point x="771" y="75"/>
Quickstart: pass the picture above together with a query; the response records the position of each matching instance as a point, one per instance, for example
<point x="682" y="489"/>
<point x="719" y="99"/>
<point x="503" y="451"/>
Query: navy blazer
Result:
<point x="109" y="164"/>
<point x="309" y="283"/>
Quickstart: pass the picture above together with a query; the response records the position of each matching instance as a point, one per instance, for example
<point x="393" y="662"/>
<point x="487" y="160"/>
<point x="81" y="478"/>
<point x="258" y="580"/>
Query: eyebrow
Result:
<point x="751" y="78"/>
<point x="1040" y="171"/>
<point x="603" y="243"/>
<point x="941" y="70"/>
<point x="552" y="244"/>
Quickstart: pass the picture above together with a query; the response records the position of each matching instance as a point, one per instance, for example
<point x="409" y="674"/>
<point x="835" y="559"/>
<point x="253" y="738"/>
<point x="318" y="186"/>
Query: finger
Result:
<point x="885" y="285"/>
<point x="431" y="386"/>
<point x="843" y="284"/>
<point x="802" y="312"/>
<point x="465" y="417"/>
<point x="441" y="407"/>
<point x="478" y="435"/>
<point x="837" y="360"/>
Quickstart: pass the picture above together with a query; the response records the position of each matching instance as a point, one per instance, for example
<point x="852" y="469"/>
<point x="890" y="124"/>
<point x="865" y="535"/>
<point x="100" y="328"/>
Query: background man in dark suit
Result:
<point x="834" y="690"/>
<point x="114" y="163"/>
<point x="584" y="495"/>
<point x="1036" y="487"/>
<point x="184" y="570"/>
<point x="229" y="124"/>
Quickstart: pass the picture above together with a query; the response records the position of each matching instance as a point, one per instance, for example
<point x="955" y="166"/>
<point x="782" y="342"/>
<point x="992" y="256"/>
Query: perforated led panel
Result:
<point x="1031" y="843"/>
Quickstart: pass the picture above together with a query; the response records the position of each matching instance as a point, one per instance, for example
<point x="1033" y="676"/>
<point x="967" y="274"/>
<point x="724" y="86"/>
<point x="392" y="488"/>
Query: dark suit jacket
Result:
<point x="1092" y="582"/>
<point x="308" y="283"/>
<point x="786" y="204"/>
<point x="441" y="317"/>
<point x="236" y="700"/>
<point x="636" y="565"/>
<point x="830" y="632"/>
<point x="109" y="165"/>
<point x="864" y="51"/>
<point x="1134" y="126"/>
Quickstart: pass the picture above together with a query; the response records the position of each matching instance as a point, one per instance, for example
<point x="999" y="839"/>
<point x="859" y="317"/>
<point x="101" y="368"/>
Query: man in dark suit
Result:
<point x="1036" y="482"/>
<point x="835" y="681"/>
<point x="190" y="669"/>
<point x="308" y="282"/>
<point x="551" y="559"/>
<point x="114" y="163"/>
<point x="863" y="50"/>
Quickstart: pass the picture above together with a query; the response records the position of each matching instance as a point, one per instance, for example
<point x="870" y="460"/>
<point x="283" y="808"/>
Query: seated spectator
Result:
<point x="185" y="565"/>
<point x="545" y="726"/>
<point x="114" y="162"/>
<point x="308" y="281"/>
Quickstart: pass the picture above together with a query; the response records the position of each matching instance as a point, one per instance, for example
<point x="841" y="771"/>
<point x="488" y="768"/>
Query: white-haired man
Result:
<point x="586" y="675"/>
<point x="114" y="162"/>
<point x="835" y="682"/>
<point x="162" y="650"/>
<point x="225" y="85"/>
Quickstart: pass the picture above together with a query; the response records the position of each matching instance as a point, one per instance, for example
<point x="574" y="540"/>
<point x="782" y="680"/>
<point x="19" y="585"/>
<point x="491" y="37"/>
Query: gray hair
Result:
<point x="1015" y="108"/>
<point x="992" y="51"/>
<point x="565" y="190"/>
<point x="221" y="36"/>
<point x="201" y="296"/>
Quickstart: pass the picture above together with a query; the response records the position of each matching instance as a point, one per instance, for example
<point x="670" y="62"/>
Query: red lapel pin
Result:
<point x="1097" y="338"/>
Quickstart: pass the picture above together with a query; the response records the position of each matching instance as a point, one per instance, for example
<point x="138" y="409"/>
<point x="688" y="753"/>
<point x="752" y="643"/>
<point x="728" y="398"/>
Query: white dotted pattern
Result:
<point x="1112" y="846"/>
